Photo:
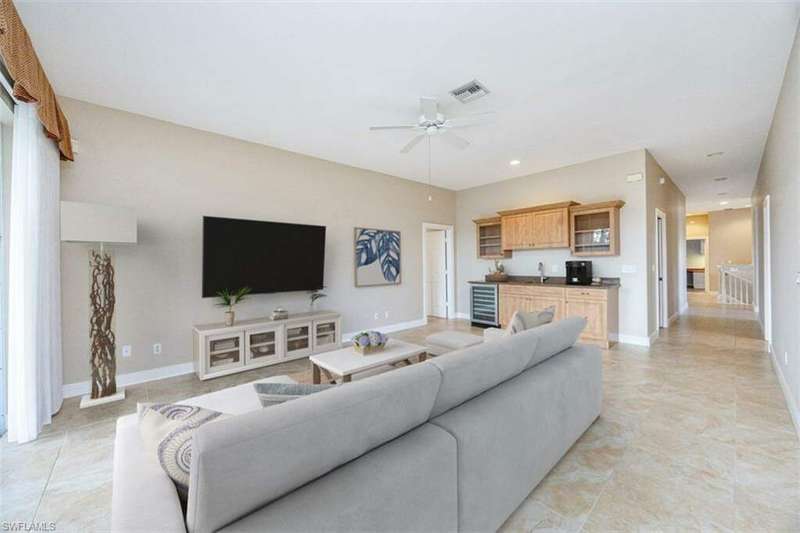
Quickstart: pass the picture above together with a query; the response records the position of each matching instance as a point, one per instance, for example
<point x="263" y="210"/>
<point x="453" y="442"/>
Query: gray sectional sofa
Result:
<point x="452" y="444"/>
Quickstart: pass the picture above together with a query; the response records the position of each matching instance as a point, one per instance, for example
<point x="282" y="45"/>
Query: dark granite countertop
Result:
<point x="554" y="281"/>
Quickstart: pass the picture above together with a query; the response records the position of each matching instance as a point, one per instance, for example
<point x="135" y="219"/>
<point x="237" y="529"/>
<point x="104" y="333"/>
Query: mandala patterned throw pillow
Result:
<point x="166" y="430"/>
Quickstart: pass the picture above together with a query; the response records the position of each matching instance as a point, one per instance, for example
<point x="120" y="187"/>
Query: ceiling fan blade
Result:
<point x="428" y="107"/>
<point x="454" y="140"/>
<point x="411" y="144"/>
<point x="375" y="128"/>
<point x="472" y="119"/>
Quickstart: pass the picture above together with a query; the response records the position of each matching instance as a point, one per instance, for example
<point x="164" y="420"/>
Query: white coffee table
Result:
<point x="346" y="361"/>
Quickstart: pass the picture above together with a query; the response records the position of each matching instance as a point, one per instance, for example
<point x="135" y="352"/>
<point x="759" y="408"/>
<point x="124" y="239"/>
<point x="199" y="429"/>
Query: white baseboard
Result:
<point x="673" y="318"/>
<point x="684" y="308"/>
<point x="794" y="409"/>
<point x="632" y="339"/>
<point x="389" y="328"/>
<point x="70" y="390"/>
<point x="463" y="316"/>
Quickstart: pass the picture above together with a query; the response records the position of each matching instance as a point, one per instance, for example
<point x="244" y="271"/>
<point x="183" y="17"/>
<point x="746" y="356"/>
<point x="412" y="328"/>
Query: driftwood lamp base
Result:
<point x="103" y="346"/>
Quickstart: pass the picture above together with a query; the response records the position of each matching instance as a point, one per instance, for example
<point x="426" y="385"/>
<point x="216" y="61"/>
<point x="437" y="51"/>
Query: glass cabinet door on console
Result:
<point x="298" y="339"/>
<point x="224" y="351"/>
<point x="326" y="334"/>
<point x="264" y="345"/>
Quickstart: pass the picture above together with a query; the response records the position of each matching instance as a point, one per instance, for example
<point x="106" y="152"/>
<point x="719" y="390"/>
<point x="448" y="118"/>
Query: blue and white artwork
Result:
<point x="377" y="257"/>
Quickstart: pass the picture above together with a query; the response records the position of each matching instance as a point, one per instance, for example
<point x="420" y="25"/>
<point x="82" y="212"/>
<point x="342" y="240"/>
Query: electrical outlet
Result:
<point x="126" y="350"/>
<point x="157" y="348"/>
<point x="629" y="269"/>
<point x="377" y="316"/>
<point x="785" y="358"/>
<point x="386" y="314"/>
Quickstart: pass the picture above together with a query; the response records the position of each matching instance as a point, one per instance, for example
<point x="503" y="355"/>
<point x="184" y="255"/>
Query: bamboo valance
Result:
<point x="30" y="82"/>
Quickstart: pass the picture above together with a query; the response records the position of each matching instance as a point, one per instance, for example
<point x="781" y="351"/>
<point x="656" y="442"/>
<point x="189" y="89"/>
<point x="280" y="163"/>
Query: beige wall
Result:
<point x="668" y="198"/>
<point x="696" y="226"/>
<point x="779" y="177"/>
<point x="730" y="241"/>
<point x="172" y="176"/>
<point x="593" y="181"/>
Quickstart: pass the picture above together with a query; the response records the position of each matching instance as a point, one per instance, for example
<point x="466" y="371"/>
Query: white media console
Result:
<point x="220" y="350"/>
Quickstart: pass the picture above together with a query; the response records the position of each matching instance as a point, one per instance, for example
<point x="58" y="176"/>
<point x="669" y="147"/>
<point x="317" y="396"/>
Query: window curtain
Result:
<point x="34" y="284"/>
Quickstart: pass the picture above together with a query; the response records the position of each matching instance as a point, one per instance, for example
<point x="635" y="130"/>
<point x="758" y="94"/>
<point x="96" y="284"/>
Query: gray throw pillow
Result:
<point x="166" y="431"/>
<point x="524" y="320"/>
<point x="274" y="393"/>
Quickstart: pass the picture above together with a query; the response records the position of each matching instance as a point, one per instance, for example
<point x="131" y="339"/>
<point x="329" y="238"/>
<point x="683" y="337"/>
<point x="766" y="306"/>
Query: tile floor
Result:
<point x="694" y="436"/>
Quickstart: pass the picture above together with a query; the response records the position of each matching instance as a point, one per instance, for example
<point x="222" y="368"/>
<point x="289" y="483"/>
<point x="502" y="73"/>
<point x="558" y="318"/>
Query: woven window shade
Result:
<point x="30" y="82"/>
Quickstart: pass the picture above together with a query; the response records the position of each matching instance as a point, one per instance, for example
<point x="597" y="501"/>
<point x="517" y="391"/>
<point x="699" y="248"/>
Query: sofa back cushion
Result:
<point x="469" y="372"/>
<point x="555" y="337"/>
<point x="245" y="462"/>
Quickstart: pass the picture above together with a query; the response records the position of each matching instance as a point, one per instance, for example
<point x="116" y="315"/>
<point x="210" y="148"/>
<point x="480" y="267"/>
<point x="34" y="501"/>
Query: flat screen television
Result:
<point x="265" y="256"/>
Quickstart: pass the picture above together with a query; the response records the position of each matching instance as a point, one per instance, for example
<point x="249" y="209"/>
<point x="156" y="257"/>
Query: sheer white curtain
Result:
<point x="34" y="279"/>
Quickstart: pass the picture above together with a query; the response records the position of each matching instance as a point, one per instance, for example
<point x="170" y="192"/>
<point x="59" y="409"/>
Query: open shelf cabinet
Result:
<point x="594" y="229"/>
<point x="489" y="238"/>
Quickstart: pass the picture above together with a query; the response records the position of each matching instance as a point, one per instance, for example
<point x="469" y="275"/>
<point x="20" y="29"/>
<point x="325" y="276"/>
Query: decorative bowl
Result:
<point x="367" y="342"/>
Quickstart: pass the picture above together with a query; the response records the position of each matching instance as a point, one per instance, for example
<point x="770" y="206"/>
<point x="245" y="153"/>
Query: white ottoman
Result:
<point x="447" y="341"/>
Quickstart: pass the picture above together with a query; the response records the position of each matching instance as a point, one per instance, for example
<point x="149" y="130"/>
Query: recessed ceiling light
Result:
<point x="721" y="178"/>
<point x="714" y="154"/>
<point x="748" y="205"/>
<point x="723" y="203"/>
<point x="691" y="222"/>
<point x="514" y="162"/>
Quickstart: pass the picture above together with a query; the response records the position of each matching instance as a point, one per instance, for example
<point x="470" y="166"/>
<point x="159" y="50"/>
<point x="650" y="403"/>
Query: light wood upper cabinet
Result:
<point x="595" y="229"/>
<point x="544" y="226"/>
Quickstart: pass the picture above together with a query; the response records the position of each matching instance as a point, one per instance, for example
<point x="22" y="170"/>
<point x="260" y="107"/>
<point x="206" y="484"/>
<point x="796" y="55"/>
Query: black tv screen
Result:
<point x="265" y="256"/>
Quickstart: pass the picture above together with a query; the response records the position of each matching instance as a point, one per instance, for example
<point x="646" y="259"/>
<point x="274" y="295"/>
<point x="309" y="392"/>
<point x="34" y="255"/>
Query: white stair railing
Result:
<point x="735" y="284"/>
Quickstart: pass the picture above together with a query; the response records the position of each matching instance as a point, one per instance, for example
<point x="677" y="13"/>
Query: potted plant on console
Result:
<point x="229" y="299"/>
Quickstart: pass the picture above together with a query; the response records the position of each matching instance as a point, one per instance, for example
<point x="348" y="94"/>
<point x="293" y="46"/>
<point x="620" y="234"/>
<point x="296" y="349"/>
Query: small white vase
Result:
<point x="229" y="318"/>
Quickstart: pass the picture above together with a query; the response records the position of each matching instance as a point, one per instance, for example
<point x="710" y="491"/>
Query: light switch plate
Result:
<point x="633" y="178"/>
<point x="126" y="350"/>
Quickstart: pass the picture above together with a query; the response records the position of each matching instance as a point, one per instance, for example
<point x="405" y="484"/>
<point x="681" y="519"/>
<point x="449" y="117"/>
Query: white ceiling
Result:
<point x="569" y="82"/>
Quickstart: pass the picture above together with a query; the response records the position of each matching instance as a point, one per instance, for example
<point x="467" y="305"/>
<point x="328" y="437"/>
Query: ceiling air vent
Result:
<point x="469" y="92"/>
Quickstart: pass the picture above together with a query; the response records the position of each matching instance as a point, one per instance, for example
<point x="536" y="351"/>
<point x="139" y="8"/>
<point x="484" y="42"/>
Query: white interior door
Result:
<point x="661" y="269"/>
<point x="767" y="275"/>
<point x="436" y="272"/>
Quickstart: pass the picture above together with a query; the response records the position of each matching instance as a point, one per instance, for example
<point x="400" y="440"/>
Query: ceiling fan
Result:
<point x="432" y="122"/>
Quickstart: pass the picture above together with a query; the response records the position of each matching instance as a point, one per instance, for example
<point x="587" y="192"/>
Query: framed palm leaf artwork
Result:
<point x="377" y="257"/>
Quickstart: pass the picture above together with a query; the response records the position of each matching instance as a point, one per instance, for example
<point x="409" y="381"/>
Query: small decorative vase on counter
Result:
<point x="229" y="318"/>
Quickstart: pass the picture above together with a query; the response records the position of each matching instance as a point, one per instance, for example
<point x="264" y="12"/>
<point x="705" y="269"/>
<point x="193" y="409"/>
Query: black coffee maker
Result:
<point x="579" y="272"/>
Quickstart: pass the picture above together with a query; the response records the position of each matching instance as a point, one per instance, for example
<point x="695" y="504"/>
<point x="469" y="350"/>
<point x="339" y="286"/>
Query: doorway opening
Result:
<point x="661" y="270"/>
<point x="438" y="283"/>
<point x="697" y="264"/>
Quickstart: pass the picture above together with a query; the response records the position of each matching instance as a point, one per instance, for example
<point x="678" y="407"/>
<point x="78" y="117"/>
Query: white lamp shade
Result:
<point x="82" y="222"/>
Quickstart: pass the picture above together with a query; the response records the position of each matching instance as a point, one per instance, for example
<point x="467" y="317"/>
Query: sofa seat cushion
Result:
<point x="447" y="341"/>
<point x="510" y="436"/>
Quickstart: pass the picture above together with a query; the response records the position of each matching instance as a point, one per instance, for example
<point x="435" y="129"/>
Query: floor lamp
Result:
<point x="103" y="225"/>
